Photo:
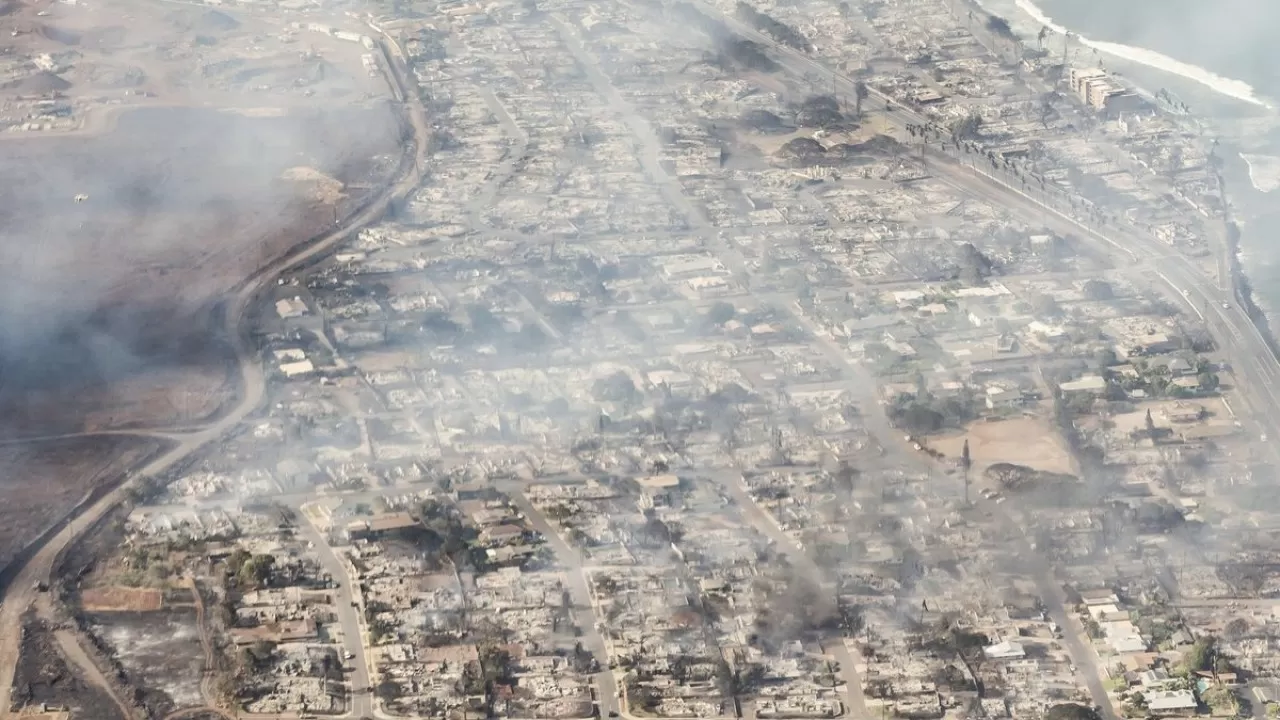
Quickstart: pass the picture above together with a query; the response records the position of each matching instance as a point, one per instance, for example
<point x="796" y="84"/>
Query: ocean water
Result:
<point x="1220" y="58"/>
<point x="1225" y="46"/>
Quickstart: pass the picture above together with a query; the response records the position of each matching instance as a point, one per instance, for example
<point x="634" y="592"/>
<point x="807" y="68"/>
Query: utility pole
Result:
<point x="965" y="464"/>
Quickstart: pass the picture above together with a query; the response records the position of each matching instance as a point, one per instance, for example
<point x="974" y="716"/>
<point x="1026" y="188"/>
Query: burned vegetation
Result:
<point x="44" y="678"/>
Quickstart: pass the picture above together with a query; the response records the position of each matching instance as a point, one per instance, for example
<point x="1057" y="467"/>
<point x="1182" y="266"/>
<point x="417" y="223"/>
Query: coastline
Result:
<point x="1229" y="87"/>
<point x="1230" y="102"/>
<point x="1264" y="171"/>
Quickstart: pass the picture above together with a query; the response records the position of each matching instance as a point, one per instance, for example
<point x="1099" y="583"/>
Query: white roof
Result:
<point x="1098" y="611"/>
<point x="302" y="367"/>
<point x="1128" y="644"/>
<point x="1171" y="700"/>
<point x="1006" y="649"/>
<point x="289" y="308"/>
<point x="1088" y="382"/>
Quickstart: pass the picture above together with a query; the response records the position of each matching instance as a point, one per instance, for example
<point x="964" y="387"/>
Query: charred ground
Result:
<point x="44" y="677"/>
<point x="177" y="206"/>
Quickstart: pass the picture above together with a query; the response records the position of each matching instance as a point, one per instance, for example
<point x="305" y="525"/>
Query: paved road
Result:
<point x="485" y="199"/>
<point x="353" y="641"/>
<point x="1255" y="367"/>
<point x="18" y="596"/>
<point x="971" y="181"/>
<point x="584" y="610"/>
<point x="649" y="154"/>
<point x="767" y="524"/>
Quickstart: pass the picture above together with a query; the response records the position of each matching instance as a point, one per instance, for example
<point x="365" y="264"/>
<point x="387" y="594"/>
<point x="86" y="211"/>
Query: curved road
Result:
<point x="20" y="593"/>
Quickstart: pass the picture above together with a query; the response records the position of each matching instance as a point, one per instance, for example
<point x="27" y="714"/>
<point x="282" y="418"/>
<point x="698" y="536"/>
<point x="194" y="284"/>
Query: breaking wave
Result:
<point x="1237" y="89"/>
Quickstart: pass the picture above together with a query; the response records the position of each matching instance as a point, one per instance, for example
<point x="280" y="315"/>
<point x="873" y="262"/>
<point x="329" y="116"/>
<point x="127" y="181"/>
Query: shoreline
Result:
<point x="1026" y="20"/>
<point x="1229" y="87"/>
<point x="1264" y="171"/>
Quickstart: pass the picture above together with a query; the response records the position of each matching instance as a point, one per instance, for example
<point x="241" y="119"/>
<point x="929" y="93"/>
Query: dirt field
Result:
<point x="1032" y="442"/>
<point x="41" y="482"/>
<point x="121" y="599"/>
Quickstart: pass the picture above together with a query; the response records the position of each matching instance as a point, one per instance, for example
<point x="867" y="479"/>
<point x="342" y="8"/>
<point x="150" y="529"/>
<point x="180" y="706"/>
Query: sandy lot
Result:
<point x="122" y="599"/>
<point x="1032" y="442"/>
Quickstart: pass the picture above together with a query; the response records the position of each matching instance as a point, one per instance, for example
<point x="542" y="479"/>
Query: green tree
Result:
<point x="846" y="477"/>
<point x="257" y="657"/>
<point x="1044" y="305"/>
<point x="256" y="571"/>
<point x="966" y="128"/>
<point x="860" y="95"/>
<point x="1200" y="656"/>
<point x="236" y="560"/>
<point x="1098" y="290"/>
<point x="917" y="418"/>
<point x="1000" y="26"/>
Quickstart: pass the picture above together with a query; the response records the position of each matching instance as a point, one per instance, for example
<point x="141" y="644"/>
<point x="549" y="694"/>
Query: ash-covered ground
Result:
<point x="43" y="677"/>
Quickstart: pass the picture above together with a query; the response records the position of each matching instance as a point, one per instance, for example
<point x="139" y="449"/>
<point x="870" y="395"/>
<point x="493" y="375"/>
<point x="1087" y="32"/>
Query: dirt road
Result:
<point x="76" y="657"/>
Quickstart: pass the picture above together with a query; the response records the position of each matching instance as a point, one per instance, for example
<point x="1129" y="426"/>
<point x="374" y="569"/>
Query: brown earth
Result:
<point x="1029" y="441"/>
<point x="121" y="599"/>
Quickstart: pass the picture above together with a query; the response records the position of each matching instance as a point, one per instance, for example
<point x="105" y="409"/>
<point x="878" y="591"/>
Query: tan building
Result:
<point x="379" y="525"/>
<point x="1096" y="88"/>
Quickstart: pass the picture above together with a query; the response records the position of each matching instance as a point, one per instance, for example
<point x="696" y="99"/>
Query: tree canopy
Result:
<point x="1200" y="656"/>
